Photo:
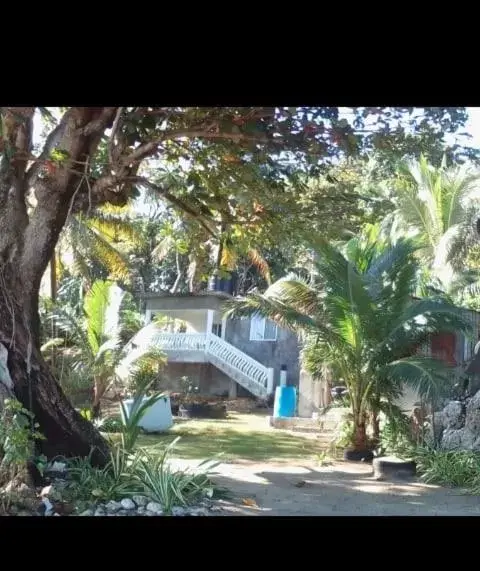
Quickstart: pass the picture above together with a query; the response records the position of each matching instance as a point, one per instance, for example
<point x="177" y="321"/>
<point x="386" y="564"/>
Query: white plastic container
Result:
<point x="157" y="418"/>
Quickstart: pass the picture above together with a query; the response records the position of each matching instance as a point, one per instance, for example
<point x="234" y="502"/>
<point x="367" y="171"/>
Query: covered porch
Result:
<point x="191" y="314"/>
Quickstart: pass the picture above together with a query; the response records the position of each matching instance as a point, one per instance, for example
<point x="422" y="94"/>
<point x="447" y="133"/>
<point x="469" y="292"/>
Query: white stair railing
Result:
<point x="248" y="372"/>
<point x="240" y="362"/>
<point x="180" y="341"/>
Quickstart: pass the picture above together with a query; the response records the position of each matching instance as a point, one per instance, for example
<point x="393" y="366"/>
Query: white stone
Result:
<point x="197" y="512"/>
<point x="5" y="377"/>
<point x="58" y="467"/>
<point x="451" y="439"/>
<point x="141" y="501"/>
<point x="87" y="513"/>
<point x="462" y="439"/>
<point x="178" y="511"/>
<point x="141" y="510"/>
<point x="128" y="504"/>
<point x="99" y="512"/>
<point x="472" y="421"/>
<point x="453" y="415"/>
<point x="46" y="491"/>
<point x="155" y="507"/>
<point x="467" y="439"/>
<point x="474" y="403"/>
<point x="48" y="506"/>
<point x="113" y="506"/>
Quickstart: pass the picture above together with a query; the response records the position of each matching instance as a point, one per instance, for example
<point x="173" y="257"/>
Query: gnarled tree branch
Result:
<point x="81" y="129"/>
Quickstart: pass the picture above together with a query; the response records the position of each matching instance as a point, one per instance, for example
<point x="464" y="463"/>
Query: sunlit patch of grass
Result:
<point x="240" y="437"/>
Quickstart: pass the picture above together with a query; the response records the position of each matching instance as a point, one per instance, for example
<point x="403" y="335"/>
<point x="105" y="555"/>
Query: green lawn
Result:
<point x="240" y="437"/>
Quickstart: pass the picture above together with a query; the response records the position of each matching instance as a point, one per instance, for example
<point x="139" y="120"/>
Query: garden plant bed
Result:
<point x="202" y="410"/>
<point x="242" y="405"/>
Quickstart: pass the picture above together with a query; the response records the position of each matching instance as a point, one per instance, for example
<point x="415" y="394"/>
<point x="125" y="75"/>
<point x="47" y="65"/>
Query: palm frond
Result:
<point x="108" y="255"/>
<point x="229" y="258"/>
<point x="114" y="227"/>
<point x="271" y="308"/>
<point x="163" y="248"/>
<point x="260" y="263"/>
<point x="67" y="321"/>
<point x="429" y="378"/>
<point x="96" y="305"/>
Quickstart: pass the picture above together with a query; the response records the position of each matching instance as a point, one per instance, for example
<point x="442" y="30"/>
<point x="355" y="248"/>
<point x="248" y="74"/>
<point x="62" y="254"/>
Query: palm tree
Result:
<point x="440" y="207"/>
<point x="93" y="347"/>
<point x="96" y="246"/>
<point x="359" y="318"/>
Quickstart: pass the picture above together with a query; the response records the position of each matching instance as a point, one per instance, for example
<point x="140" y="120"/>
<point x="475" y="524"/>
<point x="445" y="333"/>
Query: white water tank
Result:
<point x="157" y="418"/>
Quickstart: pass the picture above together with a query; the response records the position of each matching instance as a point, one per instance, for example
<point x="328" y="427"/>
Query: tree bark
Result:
<point x="27" y="244"/>
<point x="360" y="441"/>
<point x="66" y="432"/>
<point x="176" y="285"/>
<point x="376" y="428"/>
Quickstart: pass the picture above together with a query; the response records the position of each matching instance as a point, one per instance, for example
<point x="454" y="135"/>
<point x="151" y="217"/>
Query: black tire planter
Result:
<point x="202" y="411"/>
<point x="391" y="468"/>
<point x="350" y="455"/>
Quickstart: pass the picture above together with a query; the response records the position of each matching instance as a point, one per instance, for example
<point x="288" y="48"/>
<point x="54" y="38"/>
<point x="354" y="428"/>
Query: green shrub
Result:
<point x="396" y="438"/>
<point x="17" y="435"/>
<point x="112" y="424"/>
<point x="115" y="481"/>
<point x="146" y="372"/>
<point x="459" y="468"/>
<point x="169" y="487"/>
<point x="140" y="473"/>
<point x="129" y="473"/>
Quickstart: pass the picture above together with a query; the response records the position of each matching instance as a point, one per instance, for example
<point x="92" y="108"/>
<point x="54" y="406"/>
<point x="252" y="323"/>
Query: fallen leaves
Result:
<point x="250" y="502"/>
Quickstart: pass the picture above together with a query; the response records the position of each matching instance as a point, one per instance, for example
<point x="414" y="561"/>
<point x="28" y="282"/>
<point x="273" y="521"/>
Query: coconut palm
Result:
<point x="97" y="245"/>
<point x="359" y="318"/>
<point x="92" y="345"/>
<point x="440" y="207"/>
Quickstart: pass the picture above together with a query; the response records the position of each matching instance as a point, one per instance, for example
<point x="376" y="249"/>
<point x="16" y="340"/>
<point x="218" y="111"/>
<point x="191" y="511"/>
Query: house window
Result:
<point x="262" y="329"/>
<point x="217" y="329"/>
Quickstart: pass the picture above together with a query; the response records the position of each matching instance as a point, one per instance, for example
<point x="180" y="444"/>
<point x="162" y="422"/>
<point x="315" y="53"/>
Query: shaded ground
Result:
<point x="343" y="489"/>
<point x="263" y="468"/>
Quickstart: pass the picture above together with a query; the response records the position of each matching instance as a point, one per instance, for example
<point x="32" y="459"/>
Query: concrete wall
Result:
<point x="283" y="351"/>
<point x="184" y="303"/>
<point x="206" y="377"/>
<point x="313" y="395"/>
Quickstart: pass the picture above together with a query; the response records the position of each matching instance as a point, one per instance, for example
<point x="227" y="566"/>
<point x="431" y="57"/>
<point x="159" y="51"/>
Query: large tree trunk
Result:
<point x="66" y="432"/>
<point x="27" y="244"/>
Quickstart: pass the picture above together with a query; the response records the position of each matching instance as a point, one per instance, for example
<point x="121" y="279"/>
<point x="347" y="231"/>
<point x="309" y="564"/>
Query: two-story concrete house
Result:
<point x="243" y="357"/>
<point x="234" y="357"/>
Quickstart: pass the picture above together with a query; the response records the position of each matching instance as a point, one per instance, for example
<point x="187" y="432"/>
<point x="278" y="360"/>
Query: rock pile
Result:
<point x="142" y="506"/>
<point x="457" y="426"/>
<point x="24" y="500"/>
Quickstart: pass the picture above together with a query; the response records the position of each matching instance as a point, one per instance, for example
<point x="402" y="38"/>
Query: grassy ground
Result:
<point x="239" y="437"/>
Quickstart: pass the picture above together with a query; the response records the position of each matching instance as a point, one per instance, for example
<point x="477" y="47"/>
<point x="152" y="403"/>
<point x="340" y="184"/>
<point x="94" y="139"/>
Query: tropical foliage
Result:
<point x="359" y="317"/>
<point x="93" y="337"/>
<point x="438" y="205"/>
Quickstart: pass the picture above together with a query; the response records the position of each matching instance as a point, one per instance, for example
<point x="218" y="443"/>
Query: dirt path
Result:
<point x="341" y="489"/>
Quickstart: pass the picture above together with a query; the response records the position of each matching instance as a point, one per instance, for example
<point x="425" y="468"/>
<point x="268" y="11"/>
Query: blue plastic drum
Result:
<point x="285" y="402"/>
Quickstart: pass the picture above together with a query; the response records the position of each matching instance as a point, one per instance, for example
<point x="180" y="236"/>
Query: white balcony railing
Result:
<point x="180" y="341"/>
